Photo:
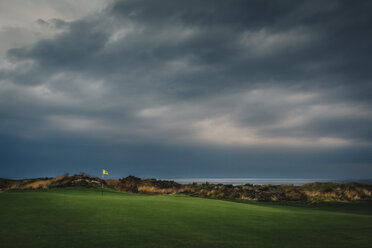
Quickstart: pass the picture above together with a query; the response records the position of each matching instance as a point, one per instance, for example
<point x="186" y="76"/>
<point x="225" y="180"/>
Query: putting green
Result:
<point x="84" y="218"/>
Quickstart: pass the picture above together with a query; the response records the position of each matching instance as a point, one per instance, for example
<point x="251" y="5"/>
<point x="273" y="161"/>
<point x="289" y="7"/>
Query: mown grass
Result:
<point x="83" y="218"/>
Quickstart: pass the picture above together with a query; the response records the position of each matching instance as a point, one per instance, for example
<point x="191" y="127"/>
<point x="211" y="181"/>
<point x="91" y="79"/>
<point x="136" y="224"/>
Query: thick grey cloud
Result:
<point x="228" y="74"/>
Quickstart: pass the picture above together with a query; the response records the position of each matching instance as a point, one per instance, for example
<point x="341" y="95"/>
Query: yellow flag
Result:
<point x="104" y="172"/>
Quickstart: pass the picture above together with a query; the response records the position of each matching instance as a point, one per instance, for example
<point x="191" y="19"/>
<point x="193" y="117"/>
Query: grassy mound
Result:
<point x="81" y="217"/>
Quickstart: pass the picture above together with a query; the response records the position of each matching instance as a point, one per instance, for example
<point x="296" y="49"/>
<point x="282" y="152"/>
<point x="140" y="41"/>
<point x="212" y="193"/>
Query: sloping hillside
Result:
<point x="55" y="182"/>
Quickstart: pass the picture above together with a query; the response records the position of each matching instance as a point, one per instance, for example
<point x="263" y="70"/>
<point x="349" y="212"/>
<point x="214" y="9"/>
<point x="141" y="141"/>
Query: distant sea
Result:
<point x="262" y="181"/>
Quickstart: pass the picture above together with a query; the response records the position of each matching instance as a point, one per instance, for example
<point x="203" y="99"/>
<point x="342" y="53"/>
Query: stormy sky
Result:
<point x="174" y="89"/>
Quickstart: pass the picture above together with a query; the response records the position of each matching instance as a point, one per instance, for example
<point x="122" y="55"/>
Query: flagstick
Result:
<point x="103" y="176"/>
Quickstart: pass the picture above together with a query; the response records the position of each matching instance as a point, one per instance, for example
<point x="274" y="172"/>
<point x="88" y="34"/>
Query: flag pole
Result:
<point x="103" y="177"/>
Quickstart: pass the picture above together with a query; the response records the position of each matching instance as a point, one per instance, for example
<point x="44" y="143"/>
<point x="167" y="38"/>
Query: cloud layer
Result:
<point x="231" y="74"/>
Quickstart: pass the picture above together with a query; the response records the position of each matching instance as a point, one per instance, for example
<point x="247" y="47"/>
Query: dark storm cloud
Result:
<point x="71" y="50"/>
<point x="340" y="31"/>
<point x="240" y="42"/>
<point x="223" y="73"/>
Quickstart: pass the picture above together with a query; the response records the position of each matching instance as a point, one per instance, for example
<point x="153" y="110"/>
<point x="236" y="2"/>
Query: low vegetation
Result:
<point x="313" y="192"/>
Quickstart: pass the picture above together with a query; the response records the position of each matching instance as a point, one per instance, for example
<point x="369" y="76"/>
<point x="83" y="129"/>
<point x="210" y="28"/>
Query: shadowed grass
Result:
<point x="83" y="218"/>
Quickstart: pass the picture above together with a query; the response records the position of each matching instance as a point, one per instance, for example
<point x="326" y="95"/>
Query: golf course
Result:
<point x="83" y="217"/>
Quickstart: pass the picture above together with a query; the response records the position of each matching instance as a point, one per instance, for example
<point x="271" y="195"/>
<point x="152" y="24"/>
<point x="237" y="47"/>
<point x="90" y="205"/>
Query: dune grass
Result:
<point x="83" y="218"/>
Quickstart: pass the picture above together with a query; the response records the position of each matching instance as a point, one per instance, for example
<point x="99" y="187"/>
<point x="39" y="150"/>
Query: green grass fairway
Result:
<point x="83" y="218"/>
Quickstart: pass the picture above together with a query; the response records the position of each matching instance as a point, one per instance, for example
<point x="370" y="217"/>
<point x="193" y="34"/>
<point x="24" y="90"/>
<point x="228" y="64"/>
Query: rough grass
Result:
<point x="83" y="218"/>
<point x="313" y="192"/>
